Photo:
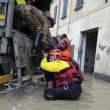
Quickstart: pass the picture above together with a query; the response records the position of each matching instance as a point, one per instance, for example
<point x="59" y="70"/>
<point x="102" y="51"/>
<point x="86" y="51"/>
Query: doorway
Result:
<point x="89" y="42"/>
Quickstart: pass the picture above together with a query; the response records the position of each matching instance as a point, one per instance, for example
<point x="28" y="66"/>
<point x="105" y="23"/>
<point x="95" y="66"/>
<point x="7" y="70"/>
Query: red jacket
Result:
<point x="68" y="75"/>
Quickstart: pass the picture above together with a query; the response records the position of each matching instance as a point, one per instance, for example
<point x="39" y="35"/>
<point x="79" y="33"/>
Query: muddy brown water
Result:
<point x="95" y="96"/>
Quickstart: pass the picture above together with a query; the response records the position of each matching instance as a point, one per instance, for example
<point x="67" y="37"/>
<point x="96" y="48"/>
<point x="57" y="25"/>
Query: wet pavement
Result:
<point x="95" y="96"/>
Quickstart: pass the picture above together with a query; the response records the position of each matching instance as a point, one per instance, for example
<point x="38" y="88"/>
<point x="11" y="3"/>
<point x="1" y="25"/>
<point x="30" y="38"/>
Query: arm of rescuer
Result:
<point x="44" y="22"/>
<point x="54" y="66"/>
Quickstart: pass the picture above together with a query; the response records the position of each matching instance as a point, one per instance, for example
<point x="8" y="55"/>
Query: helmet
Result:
<point x="67" y="42"/>
<point x="66" y="53"/>
<point x="55" y="52"/>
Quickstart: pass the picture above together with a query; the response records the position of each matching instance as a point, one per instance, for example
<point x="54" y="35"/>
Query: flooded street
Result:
<point x="95" y="96"/>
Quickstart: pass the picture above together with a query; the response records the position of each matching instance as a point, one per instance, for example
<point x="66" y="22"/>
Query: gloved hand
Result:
<point x="76" y="75"/>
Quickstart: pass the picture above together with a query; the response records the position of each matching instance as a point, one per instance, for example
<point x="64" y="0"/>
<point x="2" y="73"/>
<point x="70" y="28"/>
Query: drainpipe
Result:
<point x="69" y="17"/>
<point x="58" y="17"/>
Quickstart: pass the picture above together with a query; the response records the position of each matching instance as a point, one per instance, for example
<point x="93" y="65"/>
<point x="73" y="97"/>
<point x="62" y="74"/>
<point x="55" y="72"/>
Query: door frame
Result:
<point x="83" y="46"/>
<point x="83" y="49"/>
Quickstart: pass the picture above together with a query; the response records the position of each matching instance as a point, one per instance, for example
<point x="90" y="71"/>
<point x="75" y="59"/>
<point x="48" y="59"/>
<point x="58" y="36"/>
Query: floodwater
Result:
<point x="95" y="96"/>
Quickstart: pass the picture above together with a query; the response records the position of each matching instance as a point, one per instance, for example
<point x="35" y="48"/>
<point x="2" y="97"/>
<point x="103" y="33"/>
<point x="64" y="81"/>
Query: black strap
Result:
<point x="66" y="69"/>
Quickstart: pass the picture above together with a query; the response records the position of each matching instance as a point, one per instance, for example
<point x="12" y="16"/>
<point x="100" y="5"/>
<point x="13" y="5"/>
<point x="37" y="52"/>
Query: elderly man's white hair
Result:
<point x="47" y="13"/>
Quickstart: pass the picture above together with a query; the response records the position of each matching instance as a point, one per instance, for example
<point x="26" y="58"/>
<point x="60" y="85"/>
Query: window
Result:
<point x="65" y="4"/>
<point x="55" y="13"/>
<point x="79" y="4"/>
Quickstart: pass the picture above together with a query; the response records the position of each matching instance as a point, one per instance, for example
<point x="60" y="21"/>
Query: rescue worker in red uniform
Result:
<point x="67" y="79"/>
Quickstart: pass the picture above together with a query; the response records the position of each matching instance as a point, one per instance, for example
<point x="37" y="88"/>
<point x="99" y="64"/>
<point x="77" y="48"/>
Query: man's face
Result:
<point x="62" y="44"/>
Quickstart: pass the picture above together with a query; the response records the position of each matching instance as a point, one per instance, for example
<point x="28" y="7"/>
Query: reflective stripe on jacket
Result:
<point x="20" y="2"/>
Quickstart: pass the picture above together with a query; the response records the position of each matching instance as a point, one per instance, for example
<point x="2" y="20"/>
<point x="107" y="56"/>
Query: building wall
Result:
<point x="55" y="2"/>
<point x="89" y="6"/>
<point x="89" y="22"/>
<point x="62" y="22"/>
<point x="94" y="14"/>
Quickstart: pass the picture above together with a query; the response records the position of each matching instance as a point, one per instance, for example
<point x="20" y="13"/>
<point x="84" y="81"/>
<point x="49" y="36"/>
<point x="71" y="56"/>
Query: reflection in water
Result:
<point x="95" y="95"/>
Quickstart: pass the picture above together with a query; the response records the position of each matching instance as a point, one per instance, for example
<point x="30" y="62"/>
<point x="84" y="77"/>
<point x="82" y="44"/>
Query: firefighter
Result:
<point x="66" y="77"/>
<point x="36" y="21"/>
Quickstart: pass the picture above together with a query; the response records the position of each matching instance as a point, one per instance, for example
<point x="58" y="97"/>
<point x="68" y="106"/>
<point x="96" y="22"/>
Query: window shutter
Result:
<point x="79" y="3"/>
<point x="65" y="4"/>
<point x="55" y="13"/>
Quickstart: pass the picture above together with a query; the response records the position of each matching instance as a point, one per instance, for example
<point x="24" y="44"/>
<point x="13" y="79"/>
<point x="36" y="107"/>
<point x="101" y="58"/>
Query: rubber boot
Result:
<point x="36" y="44"/>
